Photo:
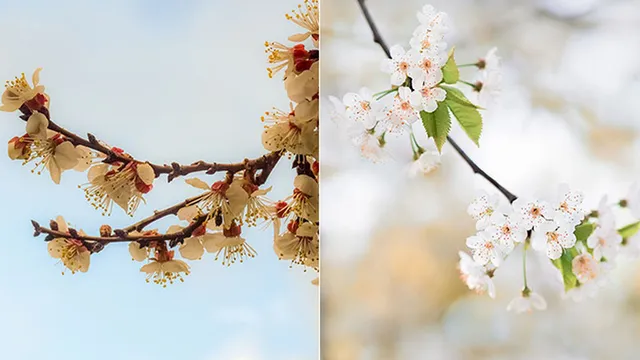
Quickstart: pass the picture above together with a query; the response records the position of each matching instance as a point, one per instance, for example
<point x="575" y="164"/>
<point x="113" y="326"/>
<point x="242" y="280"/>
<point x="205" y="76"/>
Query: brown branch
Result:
<point x="184" y="233"/>
<point x="159" y="214"/>
<point x="173" y="170"/>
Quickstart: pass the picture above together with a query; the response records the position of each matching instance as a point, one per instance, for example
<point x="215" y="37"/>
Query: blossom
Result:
<point x="425" y="39"/>
<point x="123" y="185"/>
<point x="552" y="239"/>
<point x="230" y="245"/>
<point x="605" y="213"/>
<point x="293" y="131"/>
<point x="306" y="17"/>
<point x="304" y="202"/>
<point x="303" y="86"/>
<point x="18" y="91"/>
<point x="605" y="241"/>
<point x="475" y="276"/>
<point x="428" y="160"/>
<point x="582" y="291"/>
<point x="258" y="206"/>
<point x="506" y="230"/>
<point x="398" y="66"/>
<point x="427" y="95"/>
<point x="223" y="202"/>
<point x="426" y="66"/>
<point x="54" y="153"/>
<point x="482" y="208"/>
<point x="436" y="21"/>
<point x="491" y="61"/>
<point x="532" y="212"/>
<point x="370" y="147"/>
<point x="295" y="59"/>
<point x="163" y="269"/>
<point x="485" y="249"/>
<point x="192" y="247"/>
<point x="584" y="267"/>
<point x="527" y="301"/>
<point x="400" y="112"/>
<point x="568" y="206"/>
<point x="137" y="251"/>
<point x="361" y="107"/>
<point x="73" y="253"/>
<point x="300" y="244"/>
<point x="489" y="82"/>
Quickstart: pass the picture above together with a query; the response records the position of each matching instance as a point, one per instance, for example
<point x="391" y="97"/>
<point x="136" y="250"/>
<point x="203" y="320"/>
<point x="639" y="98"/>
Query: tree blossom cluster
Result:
<point x="583" y="245"/>
<point x="210" y="222"/>
<point x="420" y="77"/>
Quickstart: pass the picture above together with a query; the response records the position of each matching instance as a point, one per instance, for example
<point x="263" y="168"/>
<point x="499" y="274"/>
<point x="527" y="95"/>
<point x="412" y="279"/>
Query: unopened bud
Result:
<point x="105" y="230"/>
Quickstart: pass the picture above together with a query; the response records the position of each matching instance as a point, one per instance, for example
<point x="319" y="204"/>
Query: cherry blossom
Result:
<point x="605" y="242"/>
<point x="399" y="65"/>
<point x="361" y="107"/>
<point x="300" y="244"/>
<point x="482" y="208"/>
<point x="475" y="276"/>
<point x="400" y="112"/>
<point x="18" y="91"/>
<point x="485" y="249"/>
<point x="568" y="206"/>
<point x="551" y="239"/>
<point x="506" y="230"/>
<point x="73" y="253"/>
<point x="527" y="302"/>
<point x="427" y="95"/>
<point x="532" y="213"/>
<point x="429" y="159"/>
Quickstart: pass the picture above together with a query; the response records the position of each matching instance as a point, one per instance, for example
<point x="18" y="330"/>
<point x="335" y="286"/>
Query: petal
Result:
<point x="138" y="253"/>
<point x="174" y="229"/>
<point x="175" y="266"/>
<point x="188" y="213"/>
<point x="54" y="170"/>
<point x="97" y="171"/>
<point x="62" y="224"/>
<point x="145" y="173"/>
<point x="538" y="301"/>
<point x="214" y="242"/>
<point x="37" y="125"/>
<point x="151" y="267"/>
<point x="192" y="248"/>
<point x="396" y="51"/>
<point x="306" y="184"/>
<point x="66" y="156"/>
<point x="55" y="246"/>
<point x="475" y="241"/>
<point x="35" y="78"/>
<point x="554" y="250"/>
<point x="197" y="183"/>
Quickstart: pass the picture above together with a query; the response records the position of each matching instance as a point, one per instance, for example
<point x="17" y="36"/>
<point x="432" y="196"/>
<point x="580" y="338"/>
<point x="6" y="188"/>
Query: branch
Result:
<point x="159" y="214"/>
<point x="377" y="38"/>
<point x="175" y="169"/>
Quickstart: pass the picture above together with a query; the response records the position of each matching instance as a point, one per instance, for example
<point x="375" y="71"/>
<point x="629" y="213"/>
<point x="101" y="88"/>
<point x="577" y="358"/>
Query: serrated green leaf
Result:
<point x="437" y="124"/>
<point x="458" y="96"/>
<point x="583" y="231"/>
<point x="629" y="230"/>
<point x="468" y="117"/>
<point x="450" y="72"/>
<point x="564" y="264"/>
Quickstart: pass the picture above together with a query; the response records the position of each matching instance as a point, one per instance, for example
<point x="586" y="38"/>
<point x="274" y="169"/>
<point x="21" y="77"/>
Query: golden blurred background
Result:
<point x="569" y="112"/>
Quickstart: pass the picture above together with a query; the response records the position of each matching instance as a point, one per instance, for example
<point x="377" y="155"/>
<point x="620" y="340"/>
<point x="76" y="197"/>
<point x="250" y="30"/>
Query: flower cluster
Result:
<point x="583" y="246"/>
<point x="213" y="220"/>
<point x="296" y="132"/>
<point x="420" y="78"/>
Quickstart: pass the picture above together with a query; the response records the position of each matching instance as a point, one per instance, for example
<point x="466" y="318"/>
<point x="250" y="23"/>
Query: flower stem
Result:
<point x="524" y="265"/>
<point x="384" y="93"/>
<point x="467" y="65"/>
<point x="377" y="38"/>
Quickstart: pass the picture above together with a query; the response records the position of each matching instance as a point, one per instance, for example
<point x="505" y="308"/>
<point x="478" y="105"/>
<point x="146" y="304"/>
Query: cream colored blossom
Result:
<point x="230" y="245"/>
<point x="307" y="17"/>
<point x="223" y="203"/>
<point x="293" y="131"/>
<point x="304" y="86"/>
<point x="304" y="200"/>
<point x="37" y="125"/>
<point x="300" y="244"/>
<point x="122" y="185"/>
<point x="54" y="153"/>
<point x="19" y="147"/>
<point x="18" y="91"/>
<point x="165" y="271"/>
<point x="73" y="254"/>
<point x="193" y="247"/>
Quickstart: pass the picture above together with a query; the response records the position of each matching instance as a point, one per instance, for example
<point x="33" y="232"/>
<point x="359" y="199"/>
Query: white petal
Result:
<point x="197" y="183"/>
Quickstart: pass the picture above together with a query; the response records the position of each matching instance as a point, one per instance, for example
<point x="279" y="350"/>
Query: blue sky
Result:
<point x="166" y="82"/>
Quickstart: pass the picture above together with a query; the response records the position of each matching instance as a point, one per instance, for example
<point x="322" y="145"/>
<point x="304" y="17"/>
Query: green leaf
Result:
<point x="437" y="124"/>
<point x="629" y="230"/>
<point x="564" y="264"/>
<point x="450" y="72"/>
<point x="583" y="231"/>
<point x="456" y="95"/>
<point x="468" y="116"/>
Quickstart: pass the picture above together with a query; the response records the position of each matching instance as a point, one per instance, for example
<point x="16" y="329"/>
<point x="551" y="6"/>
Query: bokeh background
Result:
<point x="568" y="113"/>
<point x="166" y="81"/>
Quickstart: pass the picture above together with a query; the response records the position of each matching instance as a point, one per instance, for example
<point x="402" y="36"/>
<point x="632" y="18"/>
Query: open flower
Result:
<point x="482" y="208"/>
<point x="475" y="276"/>
<point x="485" y="249"/>
<point x="18" y="91"/>
<point x="73" y="254"/>
<point x="54" y="153"/>
<point x="429" y="159"/>
<point x="527" y="302"/>
<point x="304" y="201"/>
<point x="123" y="185"/>
<point x="163" y="269"/>
<point x="258" y="206"/>
<point x="300" y="244"/>
<point x="605" y="241"/>
<point x="361" y="107"/>
<point x="294" y="131"/>
<point x="398" y="66"/>
<point x="192" y="248"/>
<point x="223" y="202"/>
<point x="437" y="22"/>
<point x="568" y="206"/>
<point x="19" y="147"/>
<point x="532" y="213"/>
<point x="230" y="245"/>
<point x="506" y="230"/>
<point x="585" y="267"/>
<point x="426" y="67"/>
<point x="306" y="17"/>
<point x="400" y="112"/>
<point x="427" y="95"/>
<point x="551" y="239"/>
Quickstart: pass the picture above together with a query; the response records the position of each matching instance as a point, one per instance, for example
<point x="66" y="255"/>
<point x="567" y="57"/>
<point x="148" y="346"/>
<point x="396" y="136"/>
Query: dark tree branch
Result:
<point x="377" y="38"/>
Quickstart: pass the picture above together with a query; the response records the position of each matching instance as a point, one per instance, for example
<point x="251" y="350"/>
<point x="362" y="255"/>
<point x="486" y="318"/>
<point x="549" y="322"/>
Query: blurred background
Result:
<point x="166" y="81"/>
<point x="568" y="113"/>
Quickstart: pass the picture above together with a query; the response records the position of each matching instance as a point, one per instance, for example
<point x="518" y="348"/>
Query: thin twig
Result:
<point x="377" y="38"/>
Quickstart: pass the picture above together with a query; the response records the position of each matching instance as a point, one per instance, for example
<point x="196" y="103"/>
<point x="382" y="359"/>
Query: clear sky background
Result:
<point x="166" y="81"/>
